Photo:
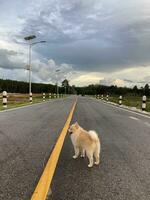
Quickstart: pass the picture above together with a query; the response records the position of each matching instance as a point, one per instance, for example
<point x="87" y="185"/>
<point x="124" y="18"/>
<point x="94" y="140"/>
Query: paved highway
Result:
<point x="124" y="173"/>
<point x="27" y="136"/>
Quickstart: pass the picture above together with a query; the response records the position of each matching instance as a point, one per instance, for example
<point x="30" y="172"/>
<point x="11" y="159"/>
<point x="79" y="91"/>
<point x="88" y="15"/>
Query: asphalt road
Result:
<point x="27" y="136"/>
<point x="124" y="172"/>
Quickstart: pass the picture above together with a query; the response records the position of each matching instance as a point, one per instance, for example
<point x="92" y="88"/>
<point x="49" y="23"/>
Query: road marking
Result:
<point x="146" y="123"/>
<point x="23" y="106"/>
<point x="26" y="106"/>
<point x="140" y="114"/>
<point x="131" y="117"/>
<point x="42" y="188"/>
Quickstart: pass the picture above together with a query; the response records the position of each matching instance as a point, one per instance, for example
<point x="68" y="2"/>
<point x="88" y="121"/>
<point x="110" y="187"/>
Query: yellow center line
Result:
<point x="42" y="188"/>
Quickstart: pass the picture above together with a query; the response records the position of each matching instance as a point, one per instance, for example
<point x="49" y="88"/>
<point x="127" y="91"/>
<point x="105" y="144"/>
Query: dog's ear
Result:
<point x="76" y="125"/>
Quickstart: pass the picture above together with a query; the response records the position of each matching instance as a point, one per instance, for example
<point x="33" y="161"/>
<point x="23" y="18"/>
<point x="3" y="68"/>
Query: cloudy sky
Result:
<point x="90" y="41"/>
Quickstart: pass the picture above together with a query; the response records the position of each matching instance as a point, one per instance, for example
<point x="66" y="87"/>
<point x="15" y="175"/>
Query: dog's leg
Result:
<point x="90" y="161"/>
<point x="82" y="153"/>
<point x="90" y="157"/>
<point x="76" y="149"/>
<point x="97" y="153"/>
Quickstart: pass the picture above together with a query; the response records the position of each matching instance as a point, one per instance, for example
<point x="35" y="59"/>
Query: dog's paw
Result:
<point x="89" y="165"/>
<point x="74" y="157"/>
<point x="82" y="156"/>
<point x="96" y="163"/>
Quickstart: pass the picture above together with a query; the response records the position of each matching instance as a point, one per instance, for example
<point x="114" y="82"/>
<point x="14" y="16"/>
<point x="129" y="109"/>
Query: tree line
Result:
<point x="114" y="90"/>
<point x="13" y="86"/>
<point x="23" y="87"/>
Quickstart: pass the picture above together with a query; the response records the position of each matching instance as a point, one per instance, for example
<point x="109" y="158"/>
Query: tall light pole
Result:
<point x="29" y="39"/>
<point x="57" y="87"/>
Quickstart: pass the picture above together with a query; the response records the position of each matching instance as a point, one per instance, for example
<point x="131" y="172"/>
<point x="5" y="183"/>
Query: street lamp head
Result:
<point x="57" y="70"/>
<point x="33" y="43"/>
<point x="43" y="41"/>
<point x="30" y="37"/>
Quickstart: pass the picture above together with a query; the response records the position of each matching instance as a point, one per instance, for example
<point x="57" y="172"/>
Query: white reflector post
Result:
<point x="30" y="97"/>
<point x="107" y="97"/>
<point x="4" y="99"/>
<point x="120" y="100"/>
<point x="43" y="96"/>
<point x="144" y="103"/>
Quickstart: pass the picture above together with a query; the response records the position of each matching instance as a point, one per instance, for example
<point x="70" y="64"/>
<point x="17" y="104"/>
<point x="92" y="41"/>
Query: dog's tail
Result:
<point x="93" y="135"/>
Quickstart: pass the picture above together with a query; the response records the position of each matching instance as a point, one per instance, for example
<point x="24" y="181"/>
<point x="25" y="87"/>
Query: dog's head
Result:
<point x="73" y="128"/>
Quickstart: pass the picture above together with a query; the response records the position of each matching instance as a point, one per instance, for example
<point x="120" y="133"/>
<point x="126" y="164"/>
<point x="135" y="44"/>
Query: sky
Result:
<point x="89" y="41"/>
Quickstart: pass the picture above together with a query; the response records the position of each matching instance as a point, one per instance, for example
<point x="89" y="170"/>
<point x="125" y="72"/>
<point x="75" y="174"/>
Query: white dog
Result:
<point x="85" y="142"/>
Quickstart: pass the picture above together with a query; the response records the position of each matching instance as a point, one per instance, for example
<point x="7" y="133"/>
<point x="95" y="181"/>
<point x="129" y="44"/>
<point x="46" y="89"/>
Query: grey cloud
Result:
<point x="129" y="81"/>
<point x="88" y="35"/>
<point x="92" y="35"/>
<point x="6" y="59"/>
<point x="143" y="80"/>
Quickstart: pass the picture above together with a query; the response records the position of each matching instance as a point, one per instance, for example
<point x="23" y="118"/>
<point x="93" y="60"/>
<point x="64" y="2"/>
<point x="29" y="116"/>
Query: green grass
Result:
<point x="132" y="101"/>
<point x="18" y="100"/>
<point x="15" y="104"/>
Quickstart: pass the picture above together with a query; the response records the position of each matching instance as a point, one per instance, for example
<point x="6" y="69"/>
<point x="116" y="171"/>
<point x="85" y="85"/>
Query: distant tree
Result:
<point x="147" y="89"/>
<point x="65" y="83"/>
<point x="135" y="88"/>
<point x="23" y="87"/>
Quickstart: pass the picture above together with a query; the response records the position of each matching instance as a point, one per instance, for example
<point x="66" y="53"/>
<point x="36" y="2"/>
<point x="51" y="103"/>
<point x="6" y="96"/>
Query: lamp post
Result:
<point x="57" y="87"/>
<point x="29" y="39"/>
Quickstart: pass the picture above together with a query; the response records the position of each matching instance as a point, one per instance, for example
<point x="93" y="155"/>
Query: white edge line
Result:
<point x="24" y="106"/>
<point x="146" y="123"/>
<point x="137" y="119"/>
<point x="125" y="109"/>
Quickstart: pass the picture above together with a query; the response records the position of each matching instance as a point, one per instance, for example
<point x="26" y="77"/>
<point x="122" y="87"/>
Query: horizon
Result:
<point x="60" y="85"/>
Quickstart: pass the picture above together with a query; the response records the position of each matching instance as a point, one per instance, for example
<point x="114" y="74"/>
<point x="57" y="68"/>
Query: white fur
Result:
<point x="93" y="134"/>
<point x="89" y="146"/>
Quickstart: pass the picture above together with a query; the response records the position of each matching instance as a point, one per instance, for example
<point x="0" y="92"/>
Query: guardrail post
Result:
<point x="120" y="100"/>
<point x="4" y="99"/>
<point x="144" y="103"/>
<point x="102" y="96"/>
<point x="54" y="96"/>
<point x="43" y="96"/>
<point x="30" y="97"/>
<point x="107" y="97"/>
<point x="50" y="96"/>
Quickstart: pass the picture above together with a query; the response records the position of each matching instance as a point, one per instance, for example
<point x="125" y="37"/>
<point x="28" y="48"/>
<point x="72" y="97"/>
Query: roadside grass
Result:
<point x="16" y="104"/>
<point x="19" y="100"/>
<point x="131" y="101"/>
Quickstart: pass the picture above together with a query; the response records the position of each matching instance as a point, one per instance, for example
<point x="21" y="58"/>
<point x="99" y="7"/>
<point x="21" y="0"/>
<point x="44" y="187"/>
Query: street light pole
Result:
<point x="57" y="87"/>
<point x="29" y="69"/>
<point x="29" y="38"/>
<point x="65" y="90"/>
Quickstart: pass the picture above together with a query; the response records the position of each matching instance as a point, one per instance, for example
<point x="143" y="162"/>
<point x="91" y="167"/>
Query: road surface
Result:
<point x="124" y="172"/>
<point x="27" y="136"/>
